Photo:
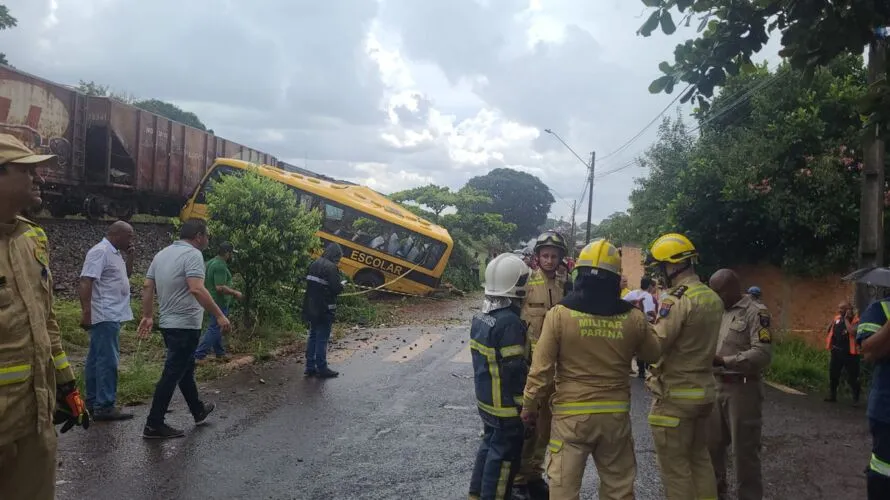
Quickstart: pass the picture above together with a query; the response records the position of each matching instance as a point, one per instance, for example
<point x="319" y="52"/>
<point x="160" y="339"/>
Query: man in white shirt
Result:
<point x="643" y="299"/>
<point x="105" y="303"/>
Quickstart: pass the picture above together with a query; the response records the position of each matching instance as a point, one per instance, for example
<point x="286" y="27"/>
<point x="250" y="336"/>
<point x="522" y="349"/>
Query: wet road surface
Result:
<point x="399" y="423"/>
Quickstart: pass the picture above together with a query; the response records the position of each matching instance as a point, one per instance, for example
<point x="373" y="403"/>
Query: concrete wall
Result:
<point x="802" y="306"/>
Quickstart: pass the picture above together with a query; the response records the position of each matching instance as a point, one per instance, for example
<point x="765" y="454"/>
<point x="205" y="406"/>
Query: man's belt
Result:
<point x="736" y="378"/>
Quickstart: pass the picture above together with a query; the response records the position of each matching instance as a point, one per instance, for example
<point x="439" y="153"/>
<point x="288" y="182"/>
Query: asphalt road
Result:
<point x="399" y="423"/>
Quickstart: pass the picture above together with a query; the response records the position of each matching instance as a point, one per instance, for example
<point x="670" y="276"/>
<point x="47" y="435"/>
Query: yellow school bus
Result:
<point x="383" y="244"/>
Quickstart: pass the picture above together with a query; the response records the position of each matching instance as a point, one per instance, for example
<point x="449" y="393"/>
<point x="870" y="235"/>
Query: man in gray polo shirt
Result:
<point x="177" y="272"/>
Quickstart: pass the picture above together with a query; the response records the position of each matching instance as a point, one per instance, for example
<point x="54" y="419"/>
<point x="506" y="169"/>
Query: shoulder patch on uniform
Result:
<point x="679" y="291"/>
<point x="764" y="319"/>
<point x="763" y="336"/>
<point x="665" y="309"/>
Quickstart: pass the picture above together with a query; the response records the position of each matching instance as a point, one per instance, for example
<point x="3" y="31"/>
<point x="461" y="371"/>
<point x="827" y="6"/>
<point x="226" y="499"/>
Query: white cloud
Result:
<point x="390" y="93"/>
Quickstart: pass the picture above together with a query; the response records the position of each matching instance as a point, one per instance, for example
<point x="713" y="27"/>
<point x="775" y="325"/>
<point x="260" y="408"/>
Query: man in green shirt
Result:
<point x="218" y="281"/>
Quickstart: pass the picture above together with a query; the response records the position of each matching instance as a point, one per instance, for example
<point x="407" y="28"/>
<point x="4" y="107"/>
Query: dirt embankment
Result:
<point x="70" y="240"/>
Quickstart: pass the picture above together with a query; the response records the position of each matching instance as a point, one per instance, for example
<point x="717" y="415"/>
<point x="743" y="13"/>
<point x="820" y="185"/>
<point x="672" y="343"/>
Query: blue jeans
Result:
<point x="501" y="447"/>
<point x="101" y="365"/>
<point x="179" y="369"/>
<point x="317" y="345"/>
<point x="212" y="339"/>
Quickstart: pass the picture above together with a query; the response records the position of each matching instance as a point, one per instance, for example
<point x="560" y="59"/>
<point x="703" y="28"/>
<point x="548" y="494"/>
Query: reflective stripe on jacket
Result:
<point x="498" y="347"/>
<point x="32" y="361"/>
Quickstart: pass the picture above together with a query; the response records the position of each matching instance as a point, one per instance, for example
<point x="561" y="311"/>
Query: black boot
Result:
<point x="538" y="489"/>
<point x="327" y="373"/>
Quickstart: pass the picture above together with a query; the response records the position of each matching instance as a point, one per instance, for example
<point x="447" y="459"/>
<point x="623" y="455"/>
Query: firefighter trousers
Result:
<point x="736" y="421"/>
<point x="680" y="434"/>
<point x="605" y="436"/>
<point x="878" y="476"/>
<point x="28" y="467"/>
<point x="534" y="449"/>
<point x="498" y="458"/>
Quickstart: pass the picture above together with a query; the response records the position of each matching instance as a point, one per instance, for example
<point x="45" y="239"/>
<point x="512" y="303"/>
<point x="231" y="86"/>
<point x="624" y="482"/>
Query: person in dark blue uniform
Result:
<point x="499" y="346"/>
<point x="873" y="336"/>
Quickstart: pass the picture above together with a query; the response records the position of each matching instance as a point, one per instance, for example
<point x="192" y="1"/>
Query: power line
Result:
<point x="648" y="125"/>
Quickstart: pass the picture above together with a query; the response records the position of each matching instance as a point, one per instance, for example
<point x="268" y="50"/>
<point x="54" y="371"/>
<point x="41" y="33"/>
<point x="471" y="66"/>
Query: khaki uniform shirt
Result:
<point x="542" y="294"/>
<point x="687" y="323"/>
<point x="745" y="342"/>
<point x="588" y="355"/>
<point x="32" y="361"/>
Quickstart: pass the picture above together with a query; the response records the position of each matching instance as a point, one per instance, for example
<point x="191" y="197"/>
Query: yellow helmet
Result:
<point x="671" y="248"/>
<point x="599" y="255"/>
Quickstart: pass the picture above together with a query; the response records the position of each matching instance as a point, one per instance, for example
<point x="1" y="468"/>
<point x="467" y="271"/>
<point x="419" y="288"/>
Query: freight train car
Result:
<point x="114" y="158"/>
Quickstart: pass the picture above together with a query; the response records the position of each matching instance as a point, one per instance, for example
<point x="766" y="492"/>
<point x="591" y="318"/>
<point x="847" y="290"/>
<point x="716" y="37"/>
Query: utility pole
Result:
<point x="572" y="237"/>
<point x="871" y="208"/>
<point x="590" y="194"/>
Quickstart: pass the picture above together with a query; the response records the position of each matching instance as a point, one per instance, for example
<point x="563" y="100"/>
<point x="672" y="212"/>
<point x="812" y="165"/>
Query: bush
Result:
<point x="274" y="238"/>
<point x="463" y="269"/>
<point x="798" y="364"/>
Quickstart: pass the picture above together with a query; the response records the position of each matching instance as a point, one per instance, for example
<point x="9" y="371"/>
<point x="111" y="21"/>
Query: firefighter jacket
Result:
<point x="586" y="353"/>
<point x="323" y="286"/>
<point x="849" y="343"/>
<point x="687" y="322"/>
<point x="745" y="342"/>
<point x="498" y="346"/>
<point x="32" y="361"/>
<point x="542" y="293"/>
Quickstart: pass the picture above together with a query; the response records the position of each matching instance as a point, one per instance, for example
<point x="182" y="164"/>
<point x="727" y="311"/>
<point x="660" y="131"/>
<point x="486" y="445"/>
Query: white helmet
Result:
<point x="506" y="276"/>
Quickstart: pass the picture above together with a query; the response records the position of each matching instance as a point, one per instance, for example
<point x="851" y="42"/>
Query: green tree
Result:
<point x="172" y="112"/>
<point x="521" y="198"/>
<point x="773" y="180"/>
<point x="813" y="34"/>
<point x="435" y="198"/>
<point x="165" y="109"/>
<point x="6" y="22"/>
<point x="273" y="235"/>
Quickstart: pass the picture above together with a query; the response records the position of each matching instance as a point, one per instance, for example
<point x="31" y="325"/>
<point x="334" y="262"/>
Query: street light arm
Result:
<point x="554" y="134"/>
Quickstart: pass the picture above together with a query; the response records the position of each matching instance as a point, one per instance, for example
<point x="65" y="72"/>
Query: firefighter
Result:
<point x="873" y="337"/>
<point x="546" y="287"/>
<point x="682" y="382"/>
<point x="498" y="344"/>
<point x="37" y="387"/>
<point x="744" y="350"/>
<point x="586" y="343"/>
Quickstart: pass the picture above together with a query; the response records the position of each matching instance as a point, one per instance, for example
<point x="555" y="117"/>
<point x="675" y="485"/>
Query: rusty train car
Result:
<point x="114" y="159"/>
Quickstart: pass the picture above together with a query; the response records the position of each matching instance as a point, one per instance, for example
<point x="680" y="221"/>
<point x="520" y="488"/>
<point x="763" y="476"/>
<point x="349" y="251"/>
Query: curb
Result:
<point x="784" y="388"/>
<point x="250" y="359"/>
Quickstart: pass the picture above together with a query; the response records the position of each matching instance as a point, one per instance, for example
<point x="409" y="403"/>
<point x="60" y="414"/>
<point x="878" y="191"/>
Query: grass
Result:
<point x="141" y="361"/>
<point x="803" y="366"/>
<point x="799" y="365"/>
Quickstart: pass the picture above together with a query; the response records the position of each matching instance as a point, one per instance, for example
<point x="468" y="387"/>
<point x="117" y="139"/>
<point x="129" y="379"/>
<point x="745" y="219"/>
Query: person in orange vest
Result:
<point x="840" y="340"/>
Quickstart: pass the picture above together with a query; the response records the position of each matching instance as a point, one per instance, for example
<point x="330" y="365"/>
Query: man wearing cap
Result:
<point x="218" y="281"/>
<point x="37" y="387"/>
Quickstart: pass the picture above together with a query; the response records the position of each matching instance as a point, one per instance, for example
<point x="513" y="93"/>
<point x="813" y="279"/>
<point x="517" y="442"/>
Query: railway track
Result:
<point x="71" y="239"/>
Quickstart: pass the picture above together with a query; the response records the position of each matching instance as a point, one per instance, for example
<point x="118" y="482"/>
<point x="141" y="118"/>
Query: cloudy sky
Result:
<point x="389" y="93"/>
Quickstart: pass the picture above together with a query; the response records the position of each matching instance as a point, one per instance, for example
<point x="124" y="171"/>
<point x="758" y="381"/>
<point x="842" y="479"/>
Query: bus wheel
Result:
<point x="368" y="278"/>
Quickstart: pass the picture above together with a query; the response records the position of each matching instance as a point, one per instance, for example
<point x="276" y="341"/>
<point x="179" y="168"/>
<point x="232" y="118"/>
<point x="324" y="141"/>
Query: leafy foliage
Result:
<point x="272" y="234"/>
<point x="771" y="180"/>
<point x="172" y="112"/>
<point x="521" y="199"/>
<point x="814" y="33"/>
<point x="6" y="22"/>
<point x="158" y="107"/>
<point x="470" y="221"/>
